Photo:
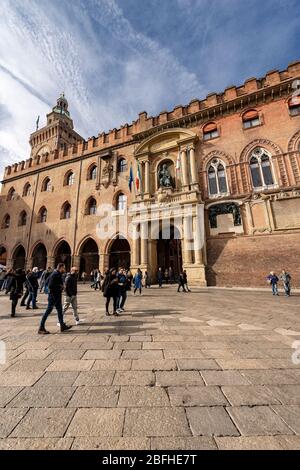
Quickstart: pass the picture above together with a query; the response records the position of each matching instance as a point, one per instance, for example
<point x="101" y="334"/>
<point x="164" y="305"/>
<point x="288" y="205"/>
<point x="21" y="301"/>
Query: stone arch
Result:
<point x="89" y="253"/>
<point x="62" y="253"/>
<point x="18" y="257"/>
<point x="119" y="251"/>
<point x="173" y="137"/>
<point x="39" y="256"/>
<point x="273" y="148"/>
<point x="294" y="142"/>
<point x="227" y="159"/>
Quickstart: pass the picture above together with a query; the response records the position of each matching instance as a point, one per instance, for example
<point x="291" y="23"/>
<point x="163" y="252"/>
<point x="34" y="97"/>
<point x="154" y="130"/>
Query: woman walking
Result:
<point x="137" y="280"/>
<point x="111" y="290"/>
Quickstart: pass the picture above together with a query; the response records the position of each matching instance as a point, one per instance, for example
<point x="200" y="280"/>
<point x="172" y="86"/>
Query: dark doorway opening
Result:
<point x="63" y="255"/>
<point x="19" y="258"/>
<point x="89" y="256"/>
<point x="169" y="253"/>
<point x="3" y="256"/>
<point x="39" y="256"/>
<point x="119" y="254"/>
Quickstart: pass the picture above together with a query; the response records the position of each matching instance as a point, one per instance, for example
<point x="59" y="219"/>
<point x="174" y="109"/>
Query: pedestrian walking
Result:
<point x="286" y="278"/>
<point x="16" y="289"/>
<point x="25" y="291"/>
<point x="122" y="286"/>
<point x="44" y="280"/>
<point x="55" y="285"/>
<point x="181" y="282"/>
<point x="70" y="291"/>
<point x="137" y="281"/>
<point x="171" y="275"/>
<point x="167" y="276"/>
<point x="83" y="277"/>
<point x="111" y="291"/>
<point x="185" y="281"/>
<point x="273" y="281"/>
<point x="147" y="280"/>
<point x="160" y="277"/>
<point x="33" y="286"/>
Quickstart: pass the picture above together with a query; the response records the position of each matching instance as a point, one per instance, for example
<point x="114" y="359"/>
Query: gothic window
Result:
<point x="22" y="219"/>
<point x="42" y="215"/>
<point x="66" y="211"/>
<point x="294" y="106"/>
<point x="217" y="181"/>
<point x="122" y="165"/>
<point x="6" y="221"/>
<point x="261" y="169"/>
<point x="11" y="194"/>
<point x="27" y="190"/>
<point x="210" y="131"/>
<point x="91" y="206"/>
<point x="46" y="186"/>
<point x="121" y="202"/>
<point x="69" y="179"/>
<point x="251" y="119"/>
<point x="92" y="172"/>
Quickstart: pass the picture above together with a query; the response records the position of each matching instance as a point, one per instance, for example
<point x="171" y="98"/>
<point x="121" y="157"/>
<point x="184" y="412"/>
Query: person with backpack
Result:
<point x="273" y="281"/>
<point x="286" y="279"/>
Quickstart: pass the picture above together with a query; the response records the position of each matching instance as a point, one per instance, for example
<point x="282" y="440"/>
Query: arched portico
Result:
<point x="89" y="256"/>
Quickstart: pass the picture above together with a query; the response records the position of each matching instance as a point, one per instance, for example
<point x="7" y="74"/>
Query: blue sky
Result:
<point x="116" y="58"/>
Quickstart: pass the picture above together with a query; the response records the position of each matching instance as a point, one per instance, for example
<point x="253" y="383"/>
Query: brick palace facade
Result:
<point x="239" y="174"/>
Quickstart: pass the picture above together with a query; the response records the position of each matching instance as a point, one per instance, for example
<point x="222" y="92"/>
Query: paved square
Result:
<point x="211" y="369"/>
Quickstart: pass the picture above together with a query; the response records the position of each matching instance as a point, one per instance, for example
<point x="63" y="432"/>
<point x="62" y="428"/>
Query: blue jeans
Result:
<point x="274" y="289"/>
<point x="53" y="301"/>
<point x="287" y="288"/>
<point x="32" y="298"/>
<point x="122" y="298"/>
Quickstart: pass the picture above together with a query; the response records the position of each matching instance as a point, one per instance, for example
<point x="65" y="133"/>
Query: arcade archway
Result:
<point x="89" y="256"/>
<point x="39" y="256"/>
<point x="3" y="256"/>
<point x="63" y="254"/>
<point x="119" y="254"/>
<point x="19" y="258"/>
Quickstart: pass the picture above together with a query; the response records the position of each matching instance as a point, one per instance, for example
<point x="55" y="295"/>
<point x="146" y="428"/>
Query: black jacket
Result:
<point x="55" y="283"/>
<point x="71" y="285"/>
<point x="32" y="282"/>
<point x="16" y="286"/>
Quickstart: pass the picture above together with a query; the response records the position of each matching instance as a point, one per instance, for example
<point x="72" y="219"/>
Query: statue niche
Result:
<point x="165" y="175"/>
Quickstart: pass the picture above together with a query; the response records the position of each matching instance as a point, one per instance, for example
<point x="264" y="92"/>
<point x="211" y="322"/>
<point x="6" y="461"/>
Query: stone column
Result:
<point x="193" y="166"/>
<point x="197" y="241"/>
<point x="76" y="261"/>
<point x="184" y="168"/>
<point x="144" y="243"/>
<point x="147" y="177"/>
<point x="51" y="262"/>
<point x="187" y="235"/>
<point x="135" y="259"/>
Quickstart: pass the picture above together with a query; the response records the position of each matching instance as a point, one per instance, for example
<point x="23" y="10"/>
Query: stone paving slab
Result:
<point x="7" y="394"/>
<point x="112" y="443"/>
<point x="36" y="444"/>
<point x="93" y="422"/>
<point x="42" y="397"/>
<point x="258" y="421"/>
<point x="143" y="397"/>
<point x="44" y="422"/>
<point x="211" y="421"/>
<point x="196" y="396"/>
<point x="95" y="378"/>
<point x="186" y="443"/>
<point x="9" y="418"/>
<point x="95" y="397"/>
<point x="249" y="395"/>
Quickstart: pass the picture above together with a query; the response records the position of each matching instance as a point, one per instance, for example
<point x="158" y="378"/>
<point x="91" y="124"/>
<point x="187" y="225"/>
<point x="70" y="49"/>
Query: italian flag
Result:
<point x="138" y="179"/>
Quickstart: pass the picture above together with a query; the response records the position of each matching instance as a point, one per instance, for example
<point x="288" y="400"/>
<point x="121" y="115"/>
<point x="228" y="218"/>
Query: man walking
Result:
<point x="273" y="281"/>
<point x="122" y="287"/>
<point x="33" y="286"/>
<point x="71" y="294"/>
<point x="286" y="279"/>
<point x="181" y="282"/>
<point x="55" y="286"/>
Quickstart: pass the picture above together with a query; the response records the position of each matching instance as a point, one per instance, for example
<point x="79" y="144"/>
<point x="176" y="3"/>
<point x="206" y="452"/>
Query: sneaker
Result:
<point x="81" y="320"/>
<point x="116" y="314"/>
<point x="65" y="328"/>
<point x="43" y="332"/>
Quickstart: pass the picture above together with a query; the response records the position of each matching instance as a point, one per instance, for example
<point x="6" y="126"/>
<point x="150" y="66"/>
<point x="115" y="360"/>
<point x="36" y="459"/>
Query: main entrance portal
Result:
<point x="119" y="254"/>
<point x="169" y="253"/>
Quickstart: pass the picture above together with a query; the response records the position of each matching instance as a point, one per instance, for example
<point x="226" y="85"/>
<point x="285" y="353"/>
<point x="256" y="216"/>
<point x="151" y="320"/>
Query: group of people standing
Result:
<point x="286" y="280"/>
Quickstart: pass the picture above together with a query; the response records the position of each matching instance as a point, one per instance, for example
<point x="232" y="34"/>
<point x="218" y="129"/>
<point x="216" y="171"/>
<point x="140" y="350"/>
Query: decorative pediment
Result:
<point x="165" y="140"/>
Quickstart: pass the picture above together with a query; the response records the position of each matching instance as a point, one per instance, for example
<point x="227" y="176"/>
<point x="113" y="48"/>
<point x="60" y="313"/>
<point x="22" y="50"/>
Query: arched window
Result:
<point x="27" y="190"/>
<point x="251" y="119"/>
<point x="66" y="211"/>
<point x="22" y="219"/>
<point x="91" y="206"/>
<point x="210" y="131"/>
<point x="92" y="172"/>
<point x="42" y="215"/>
<point x="122" y="165"/>
<point x="6" y="221"/>
<point x="121" y="202"/>
<point x="217" y="181"/>
<point x="69" y="179"/>
<point x="294" y="106"/>
<point x="46" y="186"/>
<point x="11" y="194"/>
<point x="261" y="169"/>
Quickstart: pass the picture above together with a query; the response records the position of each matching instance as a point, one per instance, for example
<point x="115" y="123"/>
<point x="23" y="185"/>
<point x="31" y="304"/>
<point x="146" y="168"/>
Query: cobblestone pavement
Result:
<point x="211" y="369"/>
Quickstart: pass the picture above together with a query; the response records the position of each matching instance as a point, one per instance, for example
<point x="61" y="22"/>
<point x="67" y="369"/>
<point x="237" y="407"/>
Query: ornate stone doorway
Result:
<point x="169" y="252"/>
<point x="89" y="256"/>
<point x="119" y="253"/>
